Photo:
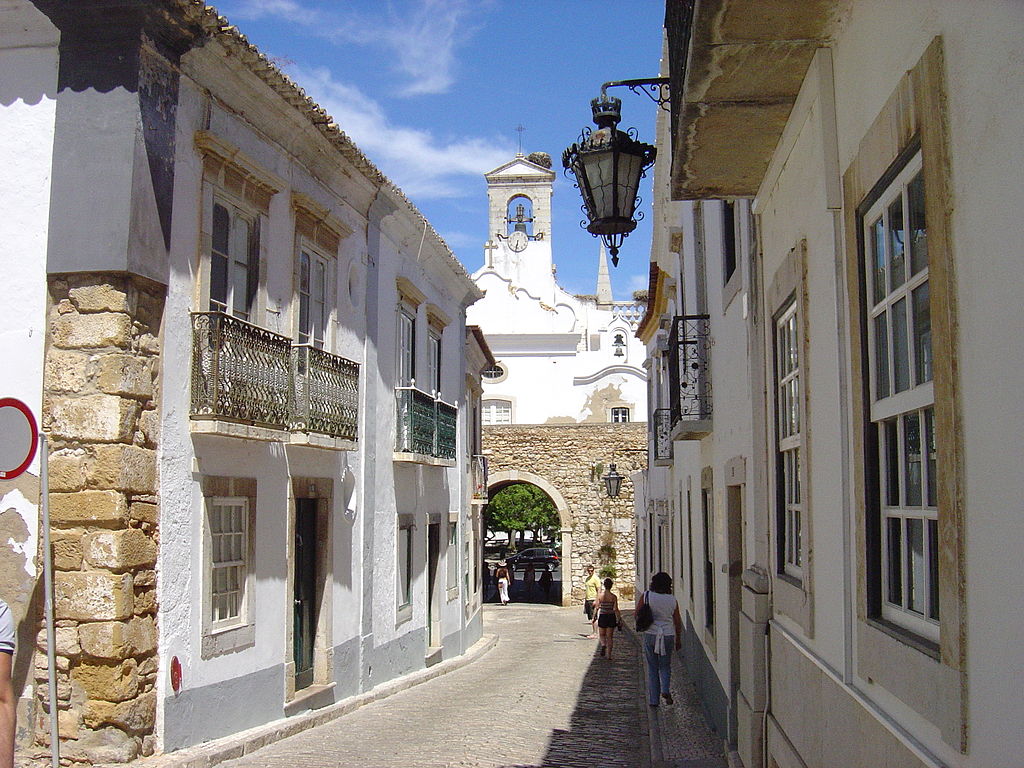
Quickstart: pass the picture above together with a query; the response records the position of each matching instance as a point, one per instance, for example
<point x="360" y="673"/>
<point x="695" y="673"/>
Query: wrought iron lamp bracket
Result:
<point x="654" y="88"/>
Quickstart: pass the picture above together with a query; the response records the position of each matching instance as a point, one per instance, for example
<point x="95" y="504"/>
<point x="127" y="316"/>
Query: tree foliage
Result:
<point x="522" y="507"/>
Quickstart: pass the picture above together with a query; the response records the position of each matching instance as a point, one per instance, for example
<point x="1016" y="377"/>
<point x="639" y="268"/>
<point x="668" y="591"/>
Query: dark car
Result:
<point x="535" y="556"/>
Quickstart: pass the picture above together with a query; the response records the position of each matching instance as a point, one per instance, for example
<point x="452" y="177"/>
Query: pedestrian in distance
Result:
<point x="504" y="579"/>
<point x="608" y="618"/>
<point x="528" y="578"/>
<point x="545" y="583"/>
<point x="8" y="704"/>
<point x="591" y="585"/>
<point x="664" y="634"/>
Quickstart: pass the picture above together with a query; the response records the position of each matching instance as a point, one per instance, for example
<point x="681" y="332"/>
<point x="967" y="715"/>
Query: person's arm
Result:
<point x="8" y="707"/>
<point x="678" y="621"/>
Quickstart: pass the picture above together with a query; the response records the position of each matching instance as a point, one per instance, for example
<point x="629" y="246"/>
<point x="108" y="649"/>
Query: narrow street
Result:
<point x="541" y="697"/>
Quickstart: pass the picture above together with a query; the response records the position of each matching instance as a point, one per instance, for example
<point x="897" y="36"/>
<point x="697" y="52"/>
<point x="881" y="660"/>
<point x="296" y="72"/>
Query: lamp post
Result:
<point x="608" y="164"/>
<point x="613" y="481"/>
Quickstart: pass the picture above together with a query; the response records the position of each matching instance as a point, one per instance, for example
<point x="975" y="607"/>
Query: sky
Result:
<point x="432" y="91"/>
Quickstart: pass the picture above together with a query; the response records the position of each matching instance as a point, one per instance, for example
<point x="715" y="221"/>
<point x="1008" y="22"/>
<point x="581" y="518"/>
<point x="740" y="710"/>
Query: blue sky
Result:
<point x="432" y="92"/>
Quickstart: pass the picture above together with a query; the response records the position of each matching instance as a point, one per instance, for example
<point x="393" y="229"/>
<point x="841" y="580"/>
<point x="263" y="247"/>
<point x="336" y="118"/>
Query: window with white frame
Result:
<point x="497" y="412"/>
<point x="494" y="373"/>
<point x="406" y="347"/>
<point x="404" y="564"/>
<point x="314" y="309"/>
<point x="902" y="400"/>
<point x="234" y="259"/>
<point x="228" y="521"/>
<point x="435" y="362"/>
<point x="620" y="415"/>
<point x="788" y="398"/>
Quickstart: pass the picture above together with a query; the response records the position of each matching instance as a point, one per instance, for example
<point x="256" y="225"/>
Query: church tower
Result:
<point x="519" y="222"/>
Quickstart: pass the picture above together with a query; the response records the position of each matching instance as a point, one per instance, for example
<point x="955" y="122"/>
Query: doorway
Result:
<point x="433" y="601"/>
<point x="734" y="502"/>
<point x="304" y="593"/>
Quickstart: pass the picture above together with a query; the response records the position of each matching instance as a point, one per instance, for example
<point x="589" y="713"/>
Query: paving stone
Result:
<point x="542" y="698"/>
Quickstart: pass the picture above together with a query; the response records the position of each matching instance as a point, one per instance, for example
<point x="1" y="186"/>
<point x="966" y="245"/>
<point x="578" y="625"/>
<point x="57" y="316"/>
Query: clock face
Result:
<point x="517" y="241"/>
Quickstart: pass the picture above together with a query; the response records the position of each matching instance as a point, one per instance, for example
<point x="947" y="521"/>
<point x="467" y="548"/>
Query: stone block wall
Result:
<point x="100" y="400"/>
<point x="573" y="458"/>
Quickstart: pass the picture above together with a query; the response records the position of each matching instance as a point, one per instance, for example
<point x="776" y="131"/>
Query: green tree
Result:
<point x="519" y="508"/>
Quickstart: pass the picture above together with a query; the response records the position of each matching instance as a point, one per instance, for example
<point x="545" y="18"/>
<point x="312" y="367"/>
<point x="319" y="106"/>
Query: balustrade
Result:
<point x="426" y="425"/>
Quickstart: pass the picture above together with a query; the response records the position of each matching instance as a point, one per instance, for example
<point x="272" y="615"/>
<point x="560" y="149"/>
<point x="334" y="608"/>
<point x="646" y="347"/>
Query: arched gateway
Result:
<point x="567" y="462"/>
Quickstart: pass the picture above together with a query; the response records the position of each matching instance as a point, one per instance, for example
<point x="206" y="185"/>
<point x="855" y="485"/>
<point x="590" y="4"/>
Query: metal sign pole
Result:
<point x="51" y="634"/>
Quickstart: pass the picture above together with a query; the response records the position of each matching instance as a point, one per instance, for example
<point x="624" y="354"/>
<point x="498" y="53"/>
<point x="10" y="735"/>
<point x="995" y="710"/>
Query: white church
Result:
<point x="560" y="358"/>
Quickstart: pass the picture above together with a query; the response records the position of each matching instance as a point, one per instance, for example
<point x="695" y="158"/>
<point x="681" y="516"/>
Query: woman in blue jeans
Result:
<point x="664" y="634"/>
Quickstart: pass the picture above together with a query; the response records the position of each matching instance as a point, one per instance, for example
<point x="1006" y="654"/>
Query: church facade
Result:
<point x="564" y="363"/>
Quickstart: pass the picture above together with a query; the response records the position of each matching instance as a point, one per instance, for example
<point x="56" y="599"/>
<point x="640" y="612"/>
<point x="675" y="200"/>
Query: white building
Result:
<point x="254" y="370"/>
<point x="834" y="250"/>
<point x="561" y="359"/>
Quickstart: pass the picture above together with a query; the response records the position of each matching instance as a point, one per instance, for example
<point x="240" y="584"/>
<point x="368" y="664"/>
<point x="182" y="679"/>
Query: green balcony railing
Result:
<point x="426" y="425"/>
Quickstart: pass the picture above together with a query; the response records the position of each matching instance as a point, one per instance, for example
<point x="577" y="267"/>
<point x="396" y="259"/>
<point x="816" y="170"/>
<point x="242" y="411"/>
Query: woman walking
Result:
<point x="502" y="576"/>
<point x="664" y="634"/>
<point x="608" y="618"/>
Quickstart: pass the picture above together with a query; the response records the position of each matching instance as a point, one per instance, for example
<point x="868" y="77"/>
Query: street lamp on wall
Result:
<point x="613" y="481"/>
<point x="608" y="164"/>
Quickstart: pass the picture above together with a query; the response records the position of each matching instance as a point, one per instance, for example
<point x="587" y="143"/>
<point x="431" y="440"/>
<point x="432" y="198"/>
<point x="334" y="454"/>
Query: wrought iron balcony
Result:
<point x="325" y="393"/>
<point x="690" y="375"/>
<point x="240" y="372"/>
<point x="246" y="374"/>
<point x="426" y="425"/>
<point x="661" y="432"/>
<point x="479" y="477"/>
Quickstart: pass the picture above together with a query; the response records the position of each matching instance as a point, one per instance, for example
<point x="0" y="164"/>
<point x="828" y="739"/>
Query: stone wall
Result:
<point x="100" y="410"/>
<point x="573" y="458"/>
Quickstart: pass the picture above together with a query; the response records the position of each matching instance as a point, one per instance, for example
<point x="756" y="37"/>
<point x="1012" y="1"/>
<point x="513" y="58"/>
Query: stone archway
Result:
<point x="566" y="461"/>
<point x="498" y="480"/>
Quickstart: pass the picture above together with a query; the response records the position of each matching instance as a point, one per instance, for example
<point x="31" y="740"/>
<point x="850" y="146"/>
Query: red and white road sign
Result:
<point x="19" y="437"/>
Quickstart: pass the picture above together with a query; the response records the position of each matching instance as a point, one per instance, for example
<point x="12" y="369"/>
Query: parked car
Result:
<point x="535" y="556"/>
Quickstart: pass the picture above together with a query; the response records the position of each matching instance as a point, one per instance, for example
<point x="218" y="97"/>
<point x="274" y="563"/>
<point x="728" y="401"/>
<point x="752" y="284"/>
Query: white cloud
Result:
<point x="420" y="163"/>
<point x="638" y="283"/>
<point x="418" y="38"/>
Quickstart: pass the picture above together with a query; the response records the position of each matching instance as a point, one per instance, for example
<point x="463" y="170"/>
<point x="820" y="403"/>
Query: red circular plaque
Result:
<point x="175" y="674"/>
<point x="19" y="437"/>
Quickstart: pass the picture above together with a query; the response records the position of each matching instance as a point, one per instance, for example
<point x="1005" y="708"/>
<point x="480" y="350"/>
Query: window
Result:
<point x="313" y="307"/>
<point x="435" y="362"/>
<point x="234" y="259"/>
<point x="229" y="546"/>
<point x="404" y="569"/>
<point x="620" y="415"/>
<point x="497" y="412"/>
<point x="902" y="414"/>
<point x="709" y="559"/>
<point x="495" y="373"/>
<point x="406" y="347"/>
<point x="788" y="399"/>
<point x="728" y="240"/>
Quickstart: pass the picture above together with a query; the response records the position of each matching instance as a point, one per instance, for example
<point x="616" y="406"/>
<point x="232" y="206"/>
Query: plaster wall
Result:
<point x="28" y="84"/>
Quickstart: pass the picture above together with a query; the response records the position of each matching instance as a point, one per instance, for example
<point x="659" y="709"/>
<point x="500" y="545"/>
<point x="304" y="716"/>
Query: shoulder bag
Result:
<point x="644" y="616"/>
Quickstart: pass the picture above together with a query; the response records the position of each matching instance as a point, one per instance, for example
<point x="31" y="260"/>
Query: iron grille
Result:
<point x="662" y="428"/>
<point x="240" y="372"/>
<point x="690" y="368"/>
<point x="417" y="417"/>
<point x="325" y="392"/>
<point x="447" y="417"/>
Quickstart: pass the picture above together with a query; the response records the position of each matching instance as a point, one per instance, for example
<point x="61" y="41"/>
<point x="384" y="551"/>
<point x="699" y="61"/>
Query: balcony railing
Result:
<point x="426" y="425"/>
<point x="690" y="369"/>
<point x="661" y="429"/>
<point x="325" y="392"/>
<point x="479" y="477"/>
<point x="247" y="374"/>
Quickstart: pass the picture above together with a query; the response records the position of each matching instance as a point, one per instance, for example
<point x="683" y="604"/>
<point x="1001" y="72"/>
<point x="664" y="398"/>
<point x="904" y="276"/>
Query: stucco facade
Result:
<point x="215" y="313"/>
<point x="862" y="149"/>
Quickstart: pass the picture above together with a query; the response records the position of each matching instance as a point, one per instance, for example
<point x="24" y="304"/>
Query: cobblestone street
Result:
<point x="541" y="697"/>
